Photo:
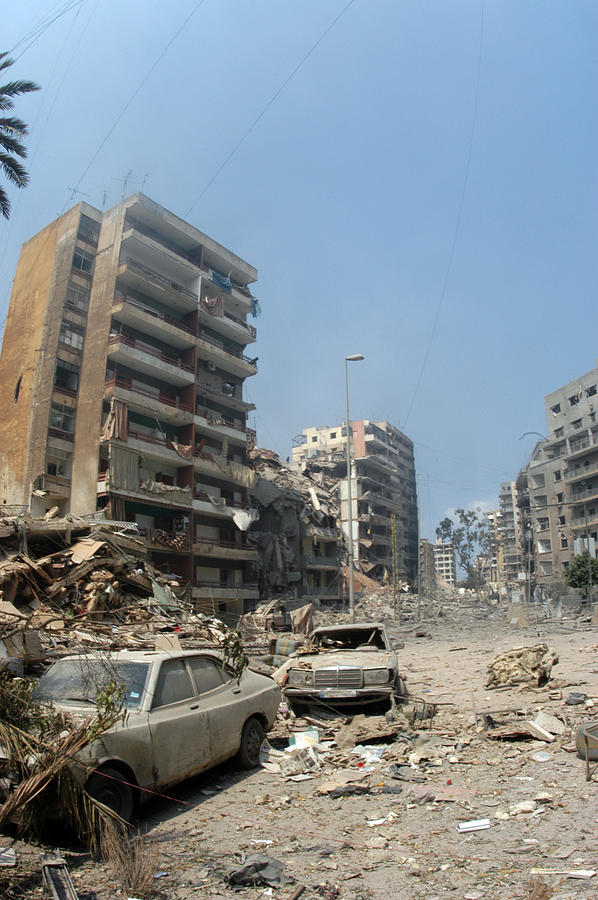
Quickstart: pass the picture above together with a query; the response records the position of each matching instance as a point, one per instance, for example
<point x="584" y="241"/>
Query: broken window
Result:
<point x="83" y="261"/>
<point x="77" y="297"/>
<point x="591" y="391"/>
<point x="564" y="542"/>
<point x="559" y="432"/>
<point x="559" y="498"/>
<point x="576" y="424"/>
<point x="89" y="230"/>
<point x="556" y="408"/>
<point x="71" y="335"/>
<point x="66" y="376"/>
<point x="562" y="520"/>
<point x="62" y="418"/>
<point x="574" y="400"/>
<point x="557" y="475"/>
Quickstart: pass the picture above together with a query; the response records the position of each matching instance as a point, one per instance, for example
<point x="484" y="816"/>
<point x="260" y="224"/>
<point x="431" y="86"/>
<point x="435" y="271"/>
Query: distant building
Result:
<point x="383" y="485"/>
<point x="512" y="534"/>
<point x="122" y="368"/>
<point x="427" y="570"/>
<point x="444" y="562"/>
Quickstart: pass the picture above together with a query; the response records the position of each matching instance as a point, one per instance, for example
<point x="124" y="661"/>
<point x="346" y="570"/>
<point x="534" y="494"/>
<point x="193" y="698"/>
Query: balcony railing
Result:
<point x="125" y="298"/>
<point x="125" y="384"/>
<point x="152" y="275"/>
<point x="217" y="542"/>
<point x="221" y="346"/>
<point x="169" y="540"/>
<point x="216" y="313"/>
<point x="580" y="495"/>
<point x="580" y="471"/>
<point x="228" y="504"/>
<point x="218" y="585"/>
<point x="151" y="351"/>
<point x="218" y="419"/>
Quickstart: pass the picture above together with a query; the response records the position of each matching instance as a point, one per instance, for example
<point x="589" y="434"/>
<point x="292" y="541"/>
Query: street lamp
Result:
<point x="355" y="357"/>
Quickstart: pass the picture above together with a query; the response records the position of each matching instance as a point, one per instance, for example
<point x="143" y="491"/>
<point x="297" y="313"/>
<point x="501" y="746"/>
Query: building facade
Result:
<point x="123" y="364"/>
<point x="512" y="534"/>
<point x="444" y="563"/>
<point x="383" y="491"/>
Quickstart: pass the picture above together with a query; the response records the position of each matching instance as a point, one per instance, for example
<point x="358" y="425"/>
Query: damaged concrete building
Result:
<point x="383" y="487"/>
<point x="301" y="548"/>
<point x="122" y="367"/>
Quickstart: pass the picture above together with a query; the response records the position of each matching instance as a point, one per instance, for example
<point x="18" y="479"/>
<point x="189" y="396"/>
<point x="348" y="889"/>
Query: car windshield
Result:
<point x="79" y="680"/>
<point x="351" y="639"/>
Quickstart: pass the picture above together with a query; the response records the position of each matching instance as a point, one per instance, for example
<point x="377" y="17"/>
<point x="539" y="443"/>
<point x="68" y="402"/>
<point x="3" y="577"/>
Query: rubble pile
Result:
<point x="67" y="585"/>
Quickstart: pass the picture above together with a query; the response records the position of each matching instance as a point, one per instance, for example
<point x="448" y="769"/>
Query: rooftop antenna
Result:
<point x="104" y="197"/>
<point x="126" y="180"/>
<point x="75" y="191"/>
<point x="145" y="177"/>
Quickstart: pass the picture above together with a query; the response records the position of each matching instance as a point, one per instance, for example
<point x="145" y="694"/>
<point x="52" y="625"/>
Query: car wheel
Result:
<point x="580" y="743"/>
<point x="251" y="741"/>
<point x="107" y="787"/>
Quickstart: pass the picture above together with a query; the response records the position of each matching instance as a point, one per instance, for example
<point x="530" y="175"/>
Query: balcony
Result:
<point x="148" y="403"/>
<point x="149" y="360"/>
<point x="212" y="505"/>
<point x="208" y="548"/>
<point x="579" y="448"/>
<point x="166" y="541"/>
<point x="155" y="448"/>
<point x="229" y="472"/>
<point x="224" y="399"/>
<point x="220" y="426"/>
<point x="310" y="561"/>
<point x="207" y="590"/>
<point x="177" y="497"/>
<point x="213" y="314"/>
<point x="580" y="472"/>
<point x="139" y="277"/>
<point x="56" y="485"/>
<point x="152" y="322"/>
<point x="233" y="361"/>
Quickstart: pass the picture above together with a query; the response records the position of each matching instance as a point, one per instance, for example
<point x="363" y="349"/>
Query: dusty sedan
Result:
<point x="345" y="665"/>
<point x="185" y="712"/>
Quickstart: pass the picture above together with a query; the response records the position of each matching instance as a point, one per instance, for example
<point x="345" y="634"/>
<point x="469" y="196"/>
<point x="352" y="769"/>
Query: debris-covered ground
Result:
<point x="384" y="821"/>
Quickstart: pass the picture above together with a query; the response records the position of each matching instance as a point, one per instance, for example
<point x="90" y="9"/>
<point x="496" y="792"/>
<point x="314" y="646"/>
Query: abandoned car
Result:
<point x="345" y="665"/>
<point x="185" y="712"/>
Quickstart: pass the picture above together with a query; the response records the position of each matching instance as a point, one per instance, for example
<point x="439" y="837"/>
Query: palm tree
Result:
<point x="12" y="132"/>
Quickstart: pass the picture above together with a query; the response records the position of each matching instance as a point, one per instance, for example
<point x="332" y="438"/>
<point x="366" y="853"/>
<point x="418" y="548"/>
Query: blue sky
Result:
<point x="387" y="185"/>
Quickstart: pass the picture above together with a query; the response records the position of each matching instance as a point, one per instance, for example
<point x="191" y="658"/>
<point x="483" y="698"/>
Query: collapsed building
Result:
<point x="383" y="491"/>
<point x="300" y="546"/>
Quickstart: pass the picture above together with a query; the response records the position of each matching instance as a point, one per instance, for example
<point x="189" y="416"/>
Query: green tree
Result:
<point x="12" y="132"/>
<point x="470" y="535"/>
<point x="577" y="574"/>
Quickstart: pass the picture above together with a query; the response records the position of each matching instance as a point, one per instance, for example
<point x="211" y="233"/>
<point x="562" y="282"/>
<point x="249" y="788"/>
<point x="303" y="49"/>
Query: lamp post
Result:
<point x="355" y="357"/>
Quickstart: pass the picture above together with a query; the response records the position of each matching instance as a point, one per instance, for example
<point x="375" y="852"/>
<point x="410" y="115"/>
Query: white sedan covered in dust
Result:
<point x="185" y="712"/>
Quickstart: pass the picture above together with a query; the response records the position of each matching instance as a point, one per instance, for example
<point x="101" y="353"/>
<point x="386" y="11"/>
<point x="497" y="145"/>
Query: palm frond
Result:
<point x="12" y="145"/>
<point x="13" y="170"/>
<point x="14" y="126"/>
<point x="4" y="204"/>
<point x="16" y="88"/>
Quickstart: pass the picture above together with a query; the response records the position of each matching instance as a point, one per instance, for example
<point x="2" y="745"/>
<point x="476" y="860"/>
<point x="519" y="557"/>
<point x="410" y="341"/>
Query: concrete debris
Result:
<point x="522" y="664"/>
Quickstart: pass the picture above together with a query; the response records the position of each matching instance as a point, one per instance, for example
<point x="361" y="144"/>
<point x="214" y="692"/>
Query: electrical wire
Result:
<point x="269" y="103"/>
<point x="42" y="26"/>
<point x="145" y="78"/>
<point x="458" y="221"/>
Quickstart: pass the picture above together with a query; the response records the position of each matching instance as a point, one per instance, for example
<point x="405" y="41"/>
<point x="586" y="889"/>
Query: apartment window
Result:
<point x="559" y="498"/>
<point x="591" y="391"/>
<point x="332" y="435"/>
<point x="344" y="431"/>
<point x="71" y="335"/>
<point x="576" y="424"/>
<point x="562" y="520"/>
<point x="66" y="375"/>
<point x="574" y="400"/>
<point x="557" y="475"/>
<point x="77" y="297"/>
<point x="83" y="261"/>
<point x="559" y="432"/>
<point x="556" y="408"/>
<point x="62" y="418"/>
<point x="314" y="439"/>
<point x="564" y="542"/>
<point x="89" y="230"/>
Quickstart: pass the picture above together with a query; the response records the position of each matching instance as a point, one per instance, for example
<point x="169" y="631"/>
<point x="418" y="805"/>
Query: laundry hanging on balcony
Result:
<point x="256" y="309"/>
<point x="213" y="305"/>
<point x="222" y="281"/>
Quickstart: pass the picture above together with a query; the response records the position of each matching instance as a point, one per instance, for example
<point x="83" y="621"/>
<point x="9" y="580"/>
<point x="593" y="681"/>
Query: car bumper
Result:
<point x="373" y="694"/>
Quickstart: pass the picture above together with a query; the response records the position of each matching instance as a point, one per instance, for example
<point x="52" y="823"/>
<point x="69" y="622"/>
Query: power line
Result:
<point x="265" y="109"/>
<point x="40" y="27"/>
<point x="458" y="222"/>
<point x="134" y="94"/>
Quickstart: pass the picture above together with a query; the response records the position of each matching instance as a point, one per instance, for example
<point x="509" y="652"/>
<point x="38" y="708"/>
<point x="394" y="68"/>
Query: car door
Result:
<point x="220" y="697"/>
<point x="178" y="725"/>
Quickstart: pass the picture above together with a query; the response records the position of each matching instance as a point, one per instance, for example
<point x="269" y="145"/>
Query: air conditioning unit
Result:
<point x="210" y="366"/>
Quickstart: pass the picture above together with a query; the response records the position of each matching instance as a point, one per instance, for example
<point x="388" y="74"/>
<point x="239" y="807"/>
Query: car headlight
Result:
<point x="375" y="676"/>
<point x="299" y="677"/>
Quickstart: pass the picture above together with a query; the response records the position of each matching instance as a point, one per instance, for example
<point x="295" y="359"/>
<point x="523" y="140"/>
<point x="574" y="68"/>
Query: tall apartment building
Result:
<point x="382" y="485"/>
<point x="512" y="533"/>
<point x="122" y="367"/>
<point x="563" y="478"/>
<point x="444" y="563"/>
<point x="493" y="570"/>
